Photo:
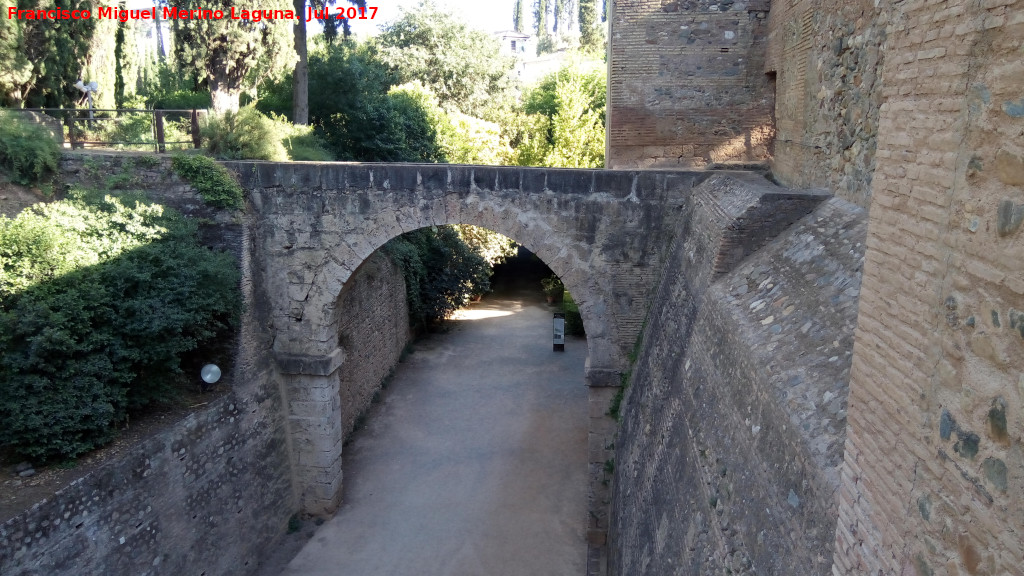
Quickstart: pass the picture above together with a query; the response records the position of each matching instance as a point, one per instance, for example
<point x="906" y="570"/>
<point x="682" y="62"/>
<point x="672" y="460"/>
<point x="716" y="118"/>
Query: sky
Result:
<point x="487" y="15"/>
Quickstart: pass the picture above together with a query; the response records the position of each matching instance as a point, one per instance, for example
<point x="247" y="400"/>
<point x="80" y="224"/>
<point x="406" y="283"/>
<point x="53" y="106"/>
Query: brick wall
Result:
<point x="934" y="466"/>
<point x="687" y="86"/>
<point x="373" y="331"/>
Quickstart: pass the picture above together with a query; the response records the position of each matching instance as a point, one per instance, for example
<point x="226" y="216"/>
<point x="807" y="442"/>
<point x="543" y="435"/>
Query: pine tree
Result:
<point x="519" y="16"/>
<point x="590" y="38"/>
<point x="233" y="55"/>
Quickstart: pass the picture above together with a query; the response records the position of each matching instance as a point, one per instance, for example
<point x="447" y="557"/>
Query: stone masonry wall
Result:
<point x="728" y="458"/>
<point x="828" y="65"/>
<point x="687" y="86"/>
<point x="933" y="481"/>
<point x="373" y="330"/>
<point x="205" y="496"/>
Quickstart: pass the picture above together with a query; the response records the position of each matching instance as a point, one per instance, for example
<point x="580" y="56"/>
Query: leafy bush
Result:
<point x="441" y="272"/>
<point x="134" y="131"/>
<point x="491" y="246"/>
<point x="249" y="135"/>
<point x="214" y="182"/>
<point x="98" y="303"/>
<point x="243" y="135"/>
<point x="573" y="319"/>
<point x="353" y="110"/>
<point x="304" y="145"/>
<point x="27" y="150"/>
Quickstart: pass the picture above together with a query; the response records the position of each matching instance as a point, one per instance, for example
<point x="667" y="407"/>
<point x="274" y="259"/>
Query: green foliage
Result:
<point x="232" y="55"/>
<point x="564" y="126"/>
<point x="591" y="36"/>
<point x="355" y="113"/>
<point x="27" y="150"/>
<point x="294" y="524"/>
<point x="214" y="182"/>
<point x="615" y="408"/>
<point x="552" y="286"/>
<point x="459" y="64"/>
<point x="249" y="135"/>
<point x="441" y="272"/>
<point x="408" y="96"/>
<point x="243" y="135"/>
<point x="305" y="145"/>
<point x="491" y="246"/>
<point x="48" y="55"/>
<point x="573" y="319"/>
<point x="519" y="16"/>
<point x="15" y="68"/>
<point x="98" y="303"/>
<point x="183" y="100"/>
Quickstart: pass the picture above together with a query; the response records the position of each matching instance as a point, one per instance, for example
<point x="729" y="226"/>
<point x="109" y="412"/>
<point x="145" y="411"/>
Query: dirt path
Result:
<point x="474" y="463"/>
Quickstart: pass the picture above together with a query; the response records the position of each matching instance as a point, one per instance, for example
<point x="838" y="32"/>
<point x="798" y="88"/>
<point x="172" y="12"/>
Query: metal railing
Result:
<point x="126" y="128"/>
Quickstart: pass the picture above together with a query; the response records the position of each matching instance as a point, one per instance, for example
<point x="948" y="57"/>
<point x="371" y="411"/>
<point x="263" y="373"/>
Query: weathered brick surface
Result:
<point x="728" y="457"/>
<point x="934" y="470"/>
<point x="686" y="85"/>
<point x="373" y="330"/>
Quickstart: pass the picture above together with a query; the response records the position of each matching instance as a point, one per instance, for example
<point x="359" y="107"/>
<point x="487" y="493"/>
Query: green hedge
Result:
<point x="98" y="303"/>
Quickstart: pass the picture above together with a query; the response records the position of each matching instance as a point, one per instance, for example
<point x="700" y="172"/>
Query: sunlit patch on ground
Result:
<point x="479" y="314"/>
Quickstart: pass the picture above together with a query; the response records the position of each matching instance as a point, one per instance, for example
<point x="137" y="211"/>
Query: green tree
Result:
<point x="233" y="55"/>
<point x="519" y="16"/>
<point x="541" y="9"/>
<point x="590" y="36"/>
<point x="577" y="131"/>
<point x="441" y="272"/>
<point x="462" y="66"/>
<point x="300" y="76"/>
<point x="354" y="109"/>
<point x="15" y="67"/>
<point x="564" y="122"/>
<point x="101" y="64"/>
<point x="57" y="51"/>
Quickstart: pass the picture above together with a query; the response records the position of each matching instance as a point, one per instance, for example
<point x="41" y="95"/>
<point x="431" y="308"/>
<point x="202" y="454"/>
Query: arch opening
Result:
<point x="501" y="419"/>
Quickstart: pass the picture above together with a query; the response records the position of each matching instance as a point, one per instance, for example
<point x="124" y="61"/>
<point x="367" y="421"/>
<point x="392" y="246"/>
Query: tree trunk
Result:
<point x="161" y="54"/>
<point x="225" y="97"/>
<point x="300" y="80"/>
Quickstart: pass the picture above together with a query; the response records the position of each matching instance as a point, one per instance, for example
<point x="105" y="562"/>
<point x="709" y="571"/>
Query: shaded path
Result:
<point x="474" y="463"/>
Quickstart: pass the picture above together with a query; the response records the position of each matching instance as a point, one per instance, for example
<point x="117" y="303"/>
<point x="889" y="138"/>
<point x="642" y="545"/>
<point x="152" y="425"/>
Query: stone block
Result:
<point x="311" y="365"/>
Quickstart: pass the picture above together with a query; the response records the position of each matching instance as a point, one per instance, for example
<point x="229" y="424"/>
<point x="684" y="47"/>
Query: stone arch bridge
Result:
<point x="603" y="232"/>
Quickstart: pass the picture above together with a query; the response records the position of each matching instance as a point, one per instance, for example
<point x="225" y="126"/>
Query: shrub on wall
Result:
<point x="27" y="151"/>
<point x="214" y="183"/>
<point x="98" y="303"/>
